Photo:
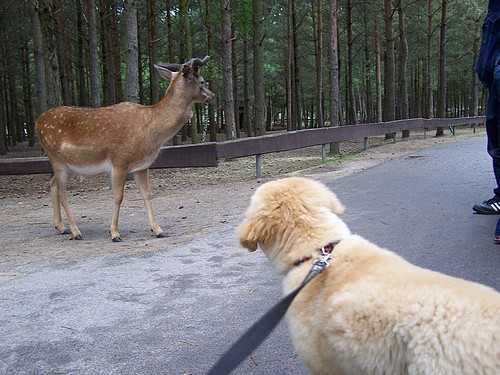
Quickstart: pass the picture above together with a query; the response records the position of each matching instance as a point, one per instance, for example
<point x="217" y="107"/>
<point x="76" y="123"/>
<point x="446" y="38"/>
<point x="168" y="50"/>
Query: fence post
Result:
<point x="323" y="153"/>
<point x="258" y="166"/>
<point x="365" y="143"/>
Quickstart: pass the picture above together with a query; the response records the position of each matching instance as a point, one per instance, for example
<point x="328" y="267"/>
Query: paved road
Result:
<point x="175" y="311"/>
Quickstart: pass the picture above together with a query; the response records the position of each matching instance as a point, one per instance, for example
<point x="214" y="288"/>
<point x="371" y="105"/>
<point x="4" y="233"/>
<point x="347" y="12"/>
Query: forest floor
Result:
<point x="188" y="202"/>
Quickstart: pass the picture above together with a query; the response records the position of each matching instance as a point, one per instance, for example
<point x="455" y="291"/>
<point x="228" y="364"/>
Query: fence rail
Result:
<point x="207" y="154"/>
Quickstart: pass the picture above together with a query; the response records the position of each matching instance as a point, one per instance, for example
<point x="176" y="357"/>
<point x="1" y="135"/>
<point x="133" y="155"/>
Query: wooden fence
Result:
<point x="208" y="154"/>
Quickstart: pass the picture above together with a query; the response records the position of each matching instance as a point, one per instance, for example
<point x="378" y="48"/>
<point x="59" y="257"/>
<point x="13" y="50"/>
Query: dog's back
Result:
<point x="373" y="312"/>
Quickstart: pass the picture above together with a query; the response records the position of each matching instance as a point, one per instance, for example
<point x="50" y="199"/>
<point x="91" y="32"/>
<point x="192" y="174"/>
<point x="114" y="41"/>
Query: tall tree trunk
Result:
<point x="290" y="112"/>
<point x="27" y="96"/>
<point x="52" y="75"/>
<point x="474" y="85"/>
<point x="430" y="91"/>
<point x="3" y="120"/>
<point x="319" y="65"/>
<point x="368" y="77"/>
<point x="234" y="59"/>
<point x="351" y="102"/>
<point x="441" y="105"/>
<point x="227" y="73"/>
<point x="297" y="101"/>
<point x="378" y="72"/>
<point x="62" y="53"/>
<point x="154" y="91"/>
<point x="108" y="66"/>
<point x="40" y="82"/>
<point x="131" y="52"/>
<point x="187" y="52"/>
<point x="258" y="70"/>
<point x="212" y="126"/>
<point x="83" y="94"/>
<point x="170" y="41"/>
<point x="115" y="39"/>
<point x="389" y="112"/>
<point x="334" y="67"/>
<point x="95" y="90"/>
<point x="334" y="74"/>
<point x="403" y="61"/>
<point x="247" y="125"/>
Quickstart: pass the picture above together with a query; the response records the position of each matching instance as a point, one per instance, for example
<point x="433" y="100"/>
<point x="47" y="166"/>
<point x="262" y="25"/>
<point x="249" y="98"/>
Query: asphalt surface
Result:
<point x="177" y="310"/>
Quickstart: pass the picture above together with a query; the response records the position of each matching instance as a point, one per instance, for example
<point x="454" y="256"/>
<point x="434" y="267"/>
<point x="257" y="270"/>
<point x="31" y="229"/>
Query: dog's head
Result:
<point x="291" y="214"/>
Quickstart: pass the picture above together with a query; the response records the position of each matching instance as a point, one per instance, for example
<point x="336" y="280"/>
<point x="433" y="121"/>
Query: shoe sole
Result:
<point x="484" y="211"/>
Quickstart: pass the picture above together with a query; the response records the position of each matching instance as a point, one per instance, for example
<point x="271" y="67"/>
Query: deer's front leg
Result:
<point x="60" y="197"/>
<point x="142" y="181"/>
<point x="118" y="178"/>
<point x="56" y="207"/>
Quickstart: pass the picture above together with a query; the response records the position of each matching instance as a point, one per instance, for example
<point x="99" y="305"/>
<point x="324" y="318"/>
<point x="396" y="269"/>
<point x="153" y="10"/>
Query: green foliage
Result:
<point x="463" y="31"/>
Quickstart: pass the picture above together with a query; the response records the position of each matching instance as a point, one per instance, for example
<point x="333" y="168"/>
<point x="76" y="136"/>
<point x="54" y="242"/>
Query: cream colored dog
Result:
<point x="370" y="312"/>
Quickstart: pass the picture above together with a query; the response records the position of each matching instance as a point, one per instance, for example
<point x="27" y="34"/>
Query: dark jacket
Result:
<point x="488" y="69"/>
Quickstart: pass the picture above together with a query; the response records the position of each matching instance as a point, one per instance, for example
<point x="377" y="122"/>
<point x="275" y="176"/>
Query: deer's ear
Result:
<point x="164" y="72"/>
<point x="187" y="71"/>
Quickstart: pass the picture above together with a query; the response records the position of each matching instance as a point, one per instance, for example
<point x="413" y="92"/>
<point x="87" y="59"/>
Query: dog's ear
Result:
<point x="333" y="203"/>
<point x="247" y="236"/>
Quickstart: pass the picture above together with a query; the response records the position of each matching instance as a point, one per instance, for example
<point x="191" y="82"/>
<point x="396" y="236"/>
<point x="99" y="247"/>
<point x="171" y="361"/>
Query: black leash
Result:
<point x="258" y="332"/>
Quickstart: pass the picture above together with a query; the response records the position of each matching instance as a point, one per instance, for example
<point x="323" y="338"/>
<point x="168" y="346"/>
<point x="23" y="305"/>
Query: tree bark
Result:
<point x="52" y="75"/>
<point x="170" y="41"/>
<point x="378" y="72"/>
<point x="154" y="91"/>
<point x="187" y="51"/>
<point x="430" y="92"/>
<point x="334" y="75"/>
<point x="290" y="113"/>
<point x="95" y="90"/>
<point x="441" y="105"/>
<point x="389" y="112"/>
<point x="351" y="102"/>
<point x="40" y="82"/>
<point x="131" y="52"/>
<point x="247" y="125"/>
<point x="403" y="106"/>
<point x="227" y="74"/>
<point x="108" y="67"/>
<point x="297" y="102"/>
<point x="319" y="65"/>
<point x="258" y="70"/>
<point x="63" y="60"/>
<point x="115" y="39"/>
<point x="212" y="125"/>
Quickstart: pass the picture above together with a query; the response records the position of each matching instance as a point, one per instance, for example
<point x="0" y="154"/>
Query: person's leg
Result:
<point x="497" y="233"/>
<point x="492" y="206"/>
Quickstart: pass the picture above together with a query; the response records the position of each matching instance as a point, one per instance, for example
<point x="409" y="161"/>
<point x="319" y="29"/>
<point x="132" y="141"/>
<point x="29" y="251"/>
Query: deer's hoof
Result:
<point x="79" y="237"/>
<point x="66" y="231"/>
<point x="117" y="239"/>
<point x="162" y="235"/>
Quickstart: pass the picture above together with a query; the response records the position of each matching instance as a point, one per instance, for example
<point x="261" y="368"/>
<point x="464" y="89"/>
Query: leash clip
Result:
<point x="322" y="262"/>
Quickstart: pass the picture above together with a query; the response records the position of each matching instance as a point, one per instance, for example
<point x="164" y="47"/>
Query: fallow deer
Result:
<point x="118" y="139"/>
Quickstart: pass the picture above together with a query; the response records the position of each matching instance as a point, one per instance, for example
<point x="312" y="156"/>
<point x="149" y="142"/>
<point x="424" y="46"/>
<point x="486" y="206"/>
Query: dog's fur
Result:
<point x="370" y="312"/>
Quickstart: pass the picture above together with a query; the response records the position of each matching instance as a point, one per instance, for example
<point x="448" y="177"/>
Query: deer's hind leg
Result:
<point x="60" y="197"/>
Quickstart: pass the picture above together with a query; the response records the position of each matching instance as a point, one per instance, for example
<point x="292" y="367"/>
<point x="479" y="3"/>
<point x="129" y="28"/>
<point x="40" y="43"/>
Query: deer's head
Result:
<point x="187" y="78"/>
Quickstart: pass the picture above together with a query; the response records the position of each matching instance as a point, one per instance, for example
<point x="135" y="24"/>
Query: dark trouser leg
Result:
<point x="493" y="127"/>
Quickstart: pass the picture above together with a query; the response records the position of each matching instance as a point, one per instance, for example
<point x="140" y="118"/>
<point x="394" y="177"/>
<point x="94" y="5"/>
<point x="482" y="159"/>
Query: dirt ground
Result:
<point x="187" y="202"/>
